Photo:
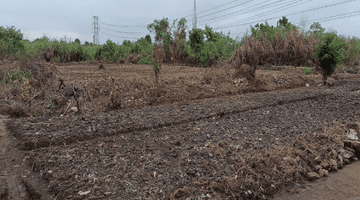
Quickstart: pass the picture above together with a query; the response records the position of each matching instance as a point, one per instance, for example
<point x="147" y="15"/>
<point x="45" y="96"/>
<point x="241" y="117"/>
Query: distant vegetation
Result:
<point x="282" y="44"/>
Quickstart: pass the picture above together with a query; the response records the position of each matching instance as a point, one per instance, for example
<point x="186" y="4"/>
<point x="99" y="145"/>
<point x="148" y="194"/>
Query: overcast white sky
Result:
<point x="73" y="18"/>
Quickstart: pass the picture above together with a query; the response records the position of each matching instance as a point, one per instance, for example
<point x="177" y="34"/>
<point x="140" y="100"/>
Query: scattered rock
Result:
<point x="340" y="165"/>
<point x="347" y="161"/>
<point x="353" y="146"/>
<point x="321" y="173"/>
<point x="83" y="193"/>
<point x="333" y="154"/>
<point x="333" y="164"/>
<point x="341" y="160"/>
<point x="292" y="191"/>
<point x="325" y="165"/>
<point x="326" y="172"/>
<point x="74" y="109"/>
<point x="313" y="175"/>
<point x="341" y="152"/>
<point x="318" y="167"/>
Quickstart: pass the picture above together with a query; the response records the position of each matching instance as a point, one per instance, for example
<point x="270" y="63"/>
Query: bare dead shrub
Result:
<point x="245" y="71"/>
<point x="133" y="58"/>
<point x="101" y="66"/>
<point x="74" y="57"/>
<point x="172" y="56"/>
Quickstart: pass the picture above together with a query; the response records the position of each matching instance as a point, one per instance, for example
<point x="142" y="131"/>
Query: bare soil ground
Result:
<point x="343" y="184"/>
<point x="199" y="134"/>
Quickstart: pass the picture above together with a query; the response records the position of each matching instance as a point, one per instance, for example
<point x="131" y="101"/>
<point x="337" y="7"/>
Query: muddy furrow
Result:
<point x="41" y="132"/>
<point x="16" y="180"/>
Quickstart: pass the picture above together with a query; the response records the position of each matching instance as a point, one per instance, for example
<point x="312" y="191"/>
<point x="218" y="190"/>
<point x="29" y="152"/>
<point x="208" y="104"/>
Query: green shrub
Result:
<point x="144" y="60"/>
<point x="352" y="50"/>
<point x="196" y="37"/>
<point x="98" y="53"/>
<point x="268" y="32"/>
<point x="330" y="52"/>
<point x="109" y="51"/>
<point x="11" y="40"/>
<point x="9" y="76"/>
<point x="307" y="70"/>
<point x="126" y="43"/>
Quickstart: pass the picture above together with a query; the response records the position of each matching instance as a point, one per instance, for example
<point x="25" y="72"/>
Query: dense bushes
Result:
<point x="11" y="41"/>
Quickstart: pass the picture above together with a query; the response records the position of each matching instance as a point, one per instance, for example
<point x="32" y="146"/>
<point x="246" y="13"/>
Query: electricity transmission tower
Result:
<point x="96" y="30"/>
<point x="194" y="17"/>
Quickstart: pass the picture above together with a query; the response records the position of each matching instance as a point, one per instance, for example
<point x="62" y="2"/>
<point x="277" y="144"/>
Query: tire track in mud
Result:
<point x="15" y="177"/>
<point x="135" y="120"/>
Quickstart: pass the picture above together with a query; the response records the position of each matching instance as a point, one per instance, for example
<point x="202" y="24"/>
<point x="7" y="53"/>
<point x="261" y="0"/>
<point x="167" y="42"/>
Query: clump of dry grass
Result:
<point x="159" y="54"/>
<point x="133" y="58"/>
<point x="294" y="49"/>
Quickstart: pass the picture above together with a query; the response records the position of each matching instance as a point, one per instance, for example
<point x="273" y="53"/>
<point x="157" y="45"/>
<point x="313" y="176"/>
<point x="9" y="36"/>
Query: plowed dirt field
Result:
<point x="198" y="134"/>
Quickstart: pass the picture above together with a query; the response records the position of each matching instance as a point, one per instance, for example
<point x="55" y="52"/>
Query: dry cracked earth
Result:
<point x="264" y="145"/>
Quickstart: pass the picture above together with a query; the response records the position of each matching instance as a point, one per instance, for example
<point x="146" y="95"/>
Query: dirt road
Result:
<point x="343" y="184"/>
<point x="225" y="149"/>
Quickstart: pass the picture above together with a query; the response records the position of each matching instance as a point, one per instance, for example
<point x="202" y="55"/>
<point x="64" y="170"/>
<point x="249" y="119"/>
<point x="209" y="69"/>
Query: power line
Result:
<point x="321" y="7"/>
<point x="287" y="6"/>
<point x="253" y="8"/>
<point x="213" y="8"/>
<point x="130" y="26"/>
<point x="227" y="8"/>
<point x="118" y="36"/>
<point x="324" y="19"/>
<point x="121" y="31"/>
<point x="124" y="26"/>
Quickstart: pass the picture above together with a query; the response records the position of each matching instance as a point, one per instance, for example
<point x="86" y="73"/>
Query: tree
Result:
<point x="317" y="30"/>
<point x="148" y="38"/>
<point x="162" y="32"/>
<point x="126" y="43"/>
<point x="180" y="36"/>
<point x="330" y="52"/>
